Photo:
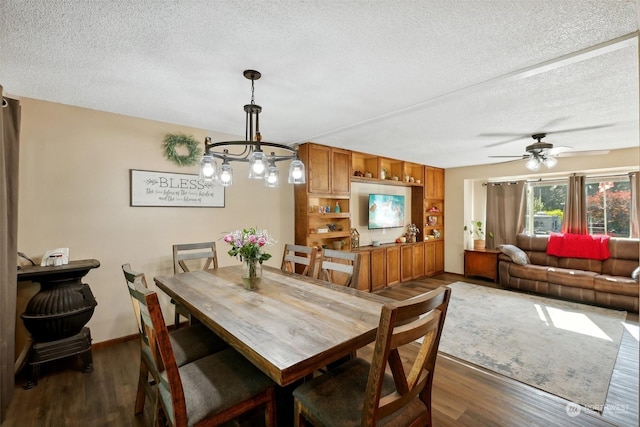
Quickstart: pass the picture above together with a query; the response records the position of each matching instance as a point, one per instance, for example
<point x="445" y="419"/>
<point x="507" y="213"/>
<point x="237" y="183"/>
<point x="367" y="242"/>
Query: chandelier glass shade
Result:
<point x="261" y="166"/>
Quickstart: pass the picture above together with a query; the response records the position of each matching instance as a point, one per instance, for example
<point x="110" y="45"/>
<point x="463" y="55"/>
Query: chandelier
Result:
<point x="261" y="166"/>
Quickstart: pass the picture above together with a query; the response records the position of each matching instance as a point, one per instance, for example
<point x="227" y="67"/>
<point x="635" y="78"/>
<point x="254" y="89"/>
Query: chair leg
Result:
<point x="298" y="418"/>
<point x="270" y="409"/>
<point x="176" y="319"/>
<point x="143" y="377"/>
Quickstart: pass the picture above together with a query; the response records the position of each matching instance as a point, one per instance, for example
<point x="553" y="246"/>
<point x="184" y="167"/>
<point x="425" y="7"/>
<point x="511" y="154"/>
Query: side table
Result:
<point x="481" y="262"/>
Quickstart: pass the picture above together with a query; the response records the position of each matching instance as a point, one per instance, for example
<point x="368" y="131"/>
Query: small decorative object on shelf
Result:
<point x="337" y="208"/>
<point x="412" y="231"/>
<point x="433" y="209"/>
<point x="248" y="245"/>
<point x="432" y="220"/>
<point x="355" y="238"/>
<point x="436" y="234"/>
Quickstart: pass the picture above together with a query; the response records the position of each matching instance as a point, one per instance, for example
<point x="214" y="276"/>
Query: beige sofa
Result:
<point x="607" y="283"/>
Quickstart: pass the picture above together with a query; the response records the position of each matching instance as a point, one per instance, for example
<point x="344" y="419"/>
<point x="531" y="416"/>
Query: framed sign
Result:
<point x="150" y="188"/>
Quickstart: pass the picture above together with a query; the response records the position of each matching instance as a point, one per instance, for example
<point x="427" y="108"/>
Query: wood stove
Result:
<point x="56" y="316"/>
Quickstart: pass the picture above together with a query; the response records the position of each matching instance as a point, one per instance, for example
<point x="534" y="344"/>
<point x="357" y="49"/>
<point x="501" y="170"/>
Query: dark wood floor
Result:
<point x="464" y="395"/>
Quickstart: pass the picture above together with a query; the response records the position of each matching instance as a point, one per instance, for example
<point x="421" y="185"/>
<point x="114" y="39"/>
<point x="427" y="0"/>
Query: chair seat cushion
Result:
<point x="194" y="342"/>
<point x="336" y="398"/>
<point x="218" y="382"/>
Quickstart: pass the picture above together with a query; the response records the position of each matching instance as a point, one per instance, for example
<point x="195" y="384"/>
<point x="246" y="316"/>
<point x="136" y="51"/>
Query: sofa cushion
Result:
<point x="529" y="271"/>
<point x="624" y="257"/>
<point x="581" y="264"/>
<point x="516" y="254"/>
<point x="529" y="243"/>
<point x="617" y="285"/>
<point x="571" y="278"/>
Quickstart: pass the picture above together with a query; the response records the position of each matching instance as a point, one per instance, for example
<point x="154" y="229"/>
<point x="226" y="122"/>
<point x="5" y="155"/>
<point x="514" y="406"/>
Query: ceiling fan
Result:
<point x="540" y="153"/>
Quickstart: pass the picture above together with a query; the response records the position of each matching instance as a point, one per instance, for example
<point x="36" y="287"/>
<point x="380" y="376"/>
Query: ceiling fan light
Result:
<point x="550" y="162"/>
<point x="533" y="164"/>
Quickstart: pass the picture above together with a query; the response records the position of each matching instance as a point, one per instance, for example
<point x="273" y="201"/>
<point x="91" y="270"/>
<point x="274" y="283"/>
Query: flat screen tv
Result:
<point x="386" y="211"/>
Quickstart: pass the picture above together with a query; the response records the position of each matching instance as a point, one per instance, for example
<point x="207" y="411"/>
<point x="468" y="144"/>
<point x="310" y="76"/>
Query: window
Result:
<point x="545" y="206"/>
<point x="609" y="205"/>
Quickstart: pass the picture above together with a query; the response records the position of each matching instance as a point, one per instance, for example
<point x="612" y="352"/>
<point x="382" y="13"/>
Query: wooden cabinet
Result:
<point x="364" y="278"/>
<point x="481" y="262"/>
<point x="406" y="259"/>
<point x="433" y="257"/>
<point x="340" y="171"/>
<point x="330" y="174"/>
<point x="439" y="256"/>
<point x="418" y="260"/>
<point x="412" y="261"/>
<point x="434" y="183"/>
<point x="378" y="266"/>
<point x="328" y="169"/>
<point x="393" y="265"/>
<point x="322" y="206"/>
<point x="434" y="203"/>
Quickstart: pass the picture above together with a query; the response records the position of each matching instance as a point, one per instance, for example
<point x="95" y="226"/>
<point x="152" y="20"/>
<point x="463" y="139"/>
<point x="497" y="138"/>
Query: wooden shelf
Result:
<point x="331" y="234"/>
<point x="385" y="182"/>
<point x="332" y="215"/>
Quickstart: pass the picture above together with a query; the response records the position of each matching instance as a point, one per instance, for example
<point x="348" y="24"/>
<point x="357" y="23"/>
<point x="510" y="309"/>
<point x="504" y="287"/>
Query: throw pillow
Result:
<point x="517" y="255"/>
<point x="636" y="274"/>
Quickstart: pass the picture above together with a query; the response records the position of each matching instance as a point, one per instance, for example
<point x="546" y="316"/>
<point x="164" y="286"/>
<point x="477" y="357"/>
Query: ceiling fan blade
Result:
<point x="584" y="153"/>
<point x="553" y="132"/>
<point x="558" y="150"/>
<point x="518" y="136"/>
<point x="495" y="144"/>
<point x="524" y="156"/>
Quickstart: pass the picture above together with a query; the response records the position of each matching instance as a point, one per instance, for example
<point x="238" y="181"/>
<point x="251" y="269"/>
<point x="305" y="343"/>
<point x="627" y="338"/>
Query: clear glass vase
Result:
<point x="251" y="274"/>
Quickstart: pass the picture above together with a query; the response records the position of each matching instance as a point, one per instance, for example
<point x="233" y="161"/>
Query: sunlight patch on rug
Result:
<point x="564" y="348"/>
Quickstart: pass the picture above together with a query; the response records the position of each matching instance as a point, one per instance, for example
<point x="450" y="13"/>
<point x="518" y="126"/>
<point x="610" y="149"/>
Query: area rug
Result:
<point x="563" y="348"/>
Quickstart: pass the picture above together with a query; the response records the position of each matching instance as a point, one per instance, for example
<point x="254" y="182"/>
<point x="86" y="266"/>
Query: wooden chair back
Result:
<point x="299" y="259"/>
<point x="402" y="323"/>
<point x="205" y="251"/>
<point x="148" y="362"/>
<point x="340" y="267"/>
<point x="160" y="350"/>
<point x="133" y="278"/>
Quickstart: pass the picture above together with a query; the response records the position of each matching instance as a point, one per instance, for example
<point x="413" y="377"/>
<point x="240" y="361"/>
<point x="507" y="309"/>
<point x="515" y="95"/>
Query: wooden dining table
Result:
<point x="290" y="327"/>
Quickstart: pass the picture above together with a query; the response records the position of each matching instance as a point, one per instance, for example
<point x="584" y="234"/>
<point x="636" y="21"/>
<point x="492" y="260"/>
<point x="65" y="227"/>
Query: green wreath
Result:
<point x="171" y="141"/>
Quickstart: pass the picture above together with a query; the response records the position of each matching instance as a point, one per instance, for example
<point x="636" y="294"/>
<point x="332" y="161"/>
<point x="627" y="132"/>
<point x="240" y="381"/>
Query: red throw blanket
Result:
<point x="591" y="246"/>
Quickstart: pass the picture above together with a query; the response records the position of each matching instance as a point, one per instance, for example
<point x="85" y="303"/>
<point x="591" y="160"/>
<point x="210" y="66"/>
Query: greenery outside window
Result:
<point x="545" y="206"/>
<point x="609" y="205"/>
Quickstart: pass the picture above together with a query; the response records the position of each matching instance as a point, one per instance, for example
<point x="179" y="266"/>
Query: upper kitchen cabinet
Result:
<point x="328" y="169"/>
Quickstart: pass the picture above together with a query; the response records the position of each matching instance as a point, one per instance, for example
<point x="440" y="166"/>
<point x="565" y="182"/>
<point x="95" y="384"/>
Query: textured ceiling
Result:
<point x="446" y="83"/>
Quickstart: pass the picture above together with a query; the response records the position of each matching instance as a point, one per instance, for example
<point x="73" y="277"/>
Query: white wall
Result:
<point x="74" y="192"/>
<point x="465" y="197"/>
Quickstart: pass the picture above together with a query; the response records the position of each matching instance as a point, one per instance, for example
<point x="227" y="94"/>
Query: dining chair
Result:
<point x="363" y="393"/>
<point x="209" y="391"/>
<point x="188" y="257"/>
<point x="299" y="259"/>
<point x="189" y="344"/>
<point x="340" y="267"/>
